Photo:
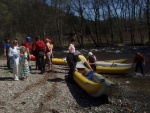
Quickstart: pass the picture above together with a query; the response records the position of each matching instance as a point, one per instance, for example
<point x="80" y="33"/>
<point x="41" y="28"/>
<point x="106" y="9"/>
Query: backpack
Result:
<point x="40" y="45"/>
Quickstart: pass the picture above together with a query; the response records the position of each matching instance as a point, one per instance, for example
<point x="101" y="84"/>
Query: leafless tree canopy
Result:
<point x="94" y="22"/>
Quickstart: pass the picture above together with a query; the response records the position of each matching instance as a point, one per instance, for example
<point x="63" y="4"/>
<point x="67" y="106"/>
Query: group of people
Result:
<point x="90" y="62"/>
<point x="18" y="57"/>
<point x="40" y="48"/>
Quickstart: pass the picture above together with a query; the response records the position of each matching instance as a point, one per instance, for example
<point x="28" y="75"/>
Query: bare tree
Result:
<point x="148" y="17"/>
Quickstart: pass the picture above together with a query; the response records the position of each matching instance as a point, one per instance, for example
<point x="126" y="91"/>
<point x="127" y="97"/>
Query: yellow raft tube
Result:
<point x="59" y="61"/>
<point x="113" y="70"/>
<point x="96" y="86"/>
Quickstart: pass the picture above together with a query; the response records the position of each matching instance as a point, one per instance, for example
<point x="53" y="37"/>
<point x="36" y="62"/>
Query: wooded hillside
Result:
<point x="95" y="22"/>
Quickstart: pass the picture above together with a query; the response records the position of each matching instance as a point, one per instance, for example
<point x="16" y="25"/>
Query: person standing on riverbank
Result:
<point x="71" y="47"/>
<point x="48" y="53"/>
<point x="39" y="47"/>
<point x="71" y="60"/>
<point x="138" y="62"/>
<point x="6" y="48"/>
<point x="26" y="43"/>
<point x="52" y="46"/>
<point x="34" y="52"/>
<point x="15" y="59"/>
<point x="25" y="71"/>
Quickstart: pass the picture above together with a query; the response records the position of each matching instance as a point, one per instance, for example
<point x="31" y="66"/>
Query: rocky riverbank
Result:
<point x="49" y="93"/>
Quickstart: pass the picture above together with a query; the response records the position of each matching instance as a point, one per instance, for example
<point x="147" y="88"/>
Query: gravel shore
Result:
<point x="49" y="93"/>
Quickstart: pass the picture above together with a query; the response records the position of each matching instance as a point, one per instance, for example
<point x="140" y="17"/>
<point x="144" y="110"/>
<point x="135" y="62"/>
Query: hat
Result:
<point x="48" y="40"/>
<point x="28" y="38"/>
<point x="90" y="53"/>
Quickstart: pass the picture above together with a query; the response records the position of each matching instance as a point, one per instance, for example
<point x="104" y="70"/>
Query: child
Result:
<point x="25" y="71"/>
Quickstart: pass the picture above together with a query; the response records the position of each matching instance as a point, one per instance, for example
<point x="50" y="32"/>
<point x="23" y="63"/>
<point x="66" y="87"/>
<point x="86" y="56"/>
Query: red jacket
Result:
<point x="27" y="45"/>
<point x="139" y="58"/>
<point x="39" y="45"/>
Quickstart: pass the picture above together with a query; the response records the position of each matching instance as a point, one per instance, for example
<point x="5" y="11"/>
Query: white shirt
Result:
<point x="49" y="47"/>
<point x="14" y="51"/>
<point x="71" y="48"/>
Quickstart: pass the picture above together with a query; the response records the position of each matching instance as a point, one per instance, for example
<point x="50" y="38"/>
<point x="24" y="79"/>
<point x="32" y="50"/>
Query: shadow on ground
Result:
<point x="6" y="78"/>
<point x="56" y="80"/>
<point x="83" y="98"/>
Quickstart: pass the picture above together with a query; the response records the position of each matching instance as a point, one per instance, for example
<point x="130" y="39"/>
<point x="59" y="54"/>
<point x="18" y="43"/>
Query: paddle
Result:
<point x="90" y="74"/>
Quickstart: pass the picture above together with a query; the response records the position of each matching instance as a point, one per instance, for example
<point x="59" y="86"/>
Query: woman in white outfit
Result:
<point x="15" y="59"/>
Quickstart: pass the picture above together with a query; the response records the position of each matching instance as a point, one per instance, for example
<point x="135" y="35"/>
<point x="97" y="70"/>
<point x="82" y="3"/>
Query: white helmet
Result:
<point x="90" y="53"/>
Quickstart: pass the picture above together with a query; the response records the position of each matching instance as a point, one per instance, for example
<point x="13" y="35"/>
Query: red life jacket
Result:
<point x="139" y="59"/>
<point x="40" y="45"/>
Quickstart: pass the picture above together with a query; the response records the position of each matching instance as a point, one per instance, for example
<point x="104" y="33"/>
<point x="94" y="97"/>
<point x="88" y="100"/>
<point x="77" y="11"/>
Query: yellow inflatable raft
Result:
<point x="113" y="70"/>
<point x="123" y="60"/>
<point x="59" y="61"/>
<point x="96" y="86"/>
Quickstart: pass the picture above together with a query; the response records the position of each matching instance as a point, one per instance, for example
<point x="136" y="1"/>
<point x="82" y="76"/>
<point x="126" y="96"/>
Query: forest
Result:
<point x="92" y="22"/>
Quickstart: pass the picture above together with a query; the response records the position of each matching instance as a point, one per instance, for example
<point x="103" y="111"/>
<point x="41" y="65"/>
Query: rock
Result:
<point x="127" y="82"/>
<point x="118" y="51"/>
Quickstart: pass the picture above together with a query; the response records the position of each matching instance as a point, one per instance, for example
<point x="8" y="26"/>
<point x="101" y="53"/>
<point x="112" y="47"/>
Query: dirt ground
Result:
<point x="50" y="93"/>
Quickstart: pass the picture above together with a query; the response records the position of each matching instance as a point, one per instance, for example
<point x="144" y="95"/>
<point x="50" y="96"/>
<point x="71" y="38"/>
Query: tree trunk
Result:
<point x="148" y="17"/>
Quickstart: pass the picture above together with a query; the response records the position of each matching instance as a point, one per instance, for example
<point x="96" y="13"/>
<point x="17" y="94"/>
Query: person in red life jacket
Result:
<point x="27" y="45"/>
<point x="48" y="53"/>
<point x="138" y="62"/>
<point x="92" y="60"/>
<point x="40" y="47"/>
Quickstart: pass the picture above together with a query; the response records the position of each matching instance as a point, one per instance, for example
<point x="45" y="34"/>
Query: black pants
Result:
<point x="72" y="65"/>
<point x="8" y="61"/>
<point x="93" y="66"/>
<point x="40" y="61"/>
<point x="139" y="65"/>
<point x="35" y="54"/>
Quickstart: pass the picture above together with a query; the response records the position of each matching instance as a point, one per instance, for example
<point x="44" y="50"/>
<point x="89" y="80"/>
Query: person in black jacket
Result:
<point x="139" y="61"/>
<point x="6" y="48"/>
<point x="71" y="60"/>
